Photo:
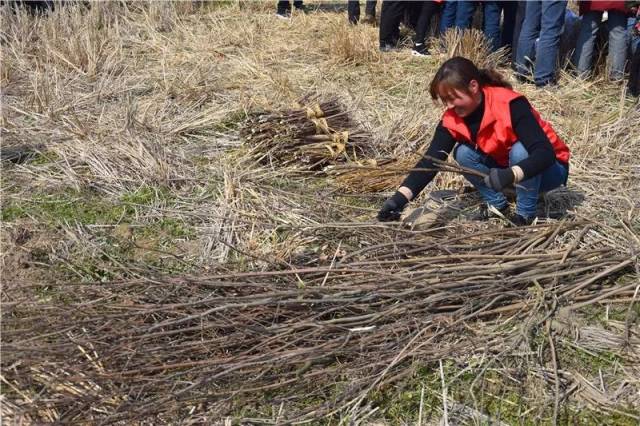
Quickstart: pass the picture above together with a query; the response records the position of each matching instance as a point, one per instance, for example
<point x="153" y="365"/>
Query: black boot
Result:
<point x="517" y="220"/>
<point x="483" y="213"/>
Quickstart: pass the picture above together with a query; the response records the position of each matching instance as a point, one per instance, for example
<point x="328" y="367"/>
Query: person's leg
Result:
<point x="509" y="9"/>
<point x="551" y="22"/>
<point x="468" y="157"/>
<point x="634" y="73"/>
<point x="464" y="13"/>
<point x="283" y="7"/>
<point x="528" y="190"/>
<point x="618" y="44"/>
<point x="429" y="8"/>
<point x="634" y="33"/>
<point x="448" y="17"/>
<point x="370" y="8"/>
<point x="298" y="4"/>
<point x="353" y="11"/>
<point x="528" y="34"/>
<point x="519" y="18"/>
<point x="491" y="11"/>
<point x="390" y="17"/>
<point x="412" y="13"/>
<point x="583" y="55"/>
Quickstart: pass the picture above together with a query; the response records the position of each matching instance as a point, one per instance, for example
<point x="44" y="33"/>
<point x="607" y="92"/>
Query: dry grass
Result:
<point x="123" y="97"/>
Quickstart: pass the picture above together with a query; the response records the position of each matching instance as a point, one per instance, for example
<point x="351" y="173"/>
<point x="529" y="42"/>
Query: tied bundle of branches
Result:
<point x="317" y="134"/>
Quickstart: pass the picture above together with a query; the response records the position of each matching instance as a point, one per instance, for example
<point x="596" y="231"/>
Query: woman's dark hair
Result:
<point x="457" y="72"/>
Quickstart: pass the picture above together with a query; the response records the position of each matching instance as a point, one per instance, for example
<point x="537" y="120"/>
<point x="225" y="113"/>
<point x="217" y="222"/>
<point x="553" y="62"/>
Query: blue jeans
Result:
<point x="526" y="194"/>
<point x="492" y="10"/>
<point x="543" y="20"/>
<point x="618" y="42"/>
<point x="457" y="14"/>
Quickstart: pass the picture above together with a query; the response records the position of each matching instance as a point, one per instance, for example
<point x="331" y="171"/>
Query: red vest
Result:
<point x="495" y="135"/>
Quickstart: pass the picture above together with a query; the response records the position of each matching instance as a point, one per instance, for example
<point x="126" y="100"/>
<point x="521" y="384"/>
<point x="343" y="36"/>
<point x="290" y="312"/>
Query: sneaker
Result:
<point x="286" y="16"/>
<point x="517" y="220"/>
<point x="483" y="213"/>
<point x="419" y="49"/>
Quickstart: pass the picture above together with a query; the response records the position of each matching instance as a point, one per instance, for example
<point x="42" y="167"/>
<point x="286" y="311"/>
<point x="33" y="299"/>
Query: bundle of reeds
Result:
<point x="314" y="135"/>
<point x="471" y="44"/>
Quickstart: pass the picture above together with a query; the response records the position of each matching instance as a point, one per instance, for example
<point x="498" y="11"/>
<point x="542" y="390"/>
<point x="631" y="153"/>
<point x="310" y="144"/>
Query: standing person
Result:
<point x="391" y="14"/>
<point x="427" y="10"/>
<point x="516" y="31"/>
<point x="353" y="10"/>
<point x="495" y="131"/>
<point x="591" y="12"/>
<point x="457" y="14"/>
<point x="634" y="65"/>
<point x="543" y="20"/>
<point x="492" y="12"/>
<point x="283" y="9"/>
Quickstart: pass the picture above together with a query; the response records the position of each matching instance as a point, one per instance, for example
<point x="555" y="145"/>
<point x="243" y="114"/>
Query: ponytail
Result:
<point x="491" y="77"/>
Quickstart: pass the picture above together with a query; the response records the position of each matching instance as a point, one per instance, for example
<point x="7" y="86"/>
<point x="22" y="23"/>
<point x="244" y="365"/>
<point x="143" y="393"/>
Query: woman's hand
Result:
<point x="498" y="179"/>
<point x="392" y="208"/>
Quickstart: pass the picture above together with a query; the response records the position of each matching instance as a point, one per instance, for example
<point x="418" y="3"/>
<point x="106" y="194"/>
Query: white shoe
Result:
<point x="283" y="17"/>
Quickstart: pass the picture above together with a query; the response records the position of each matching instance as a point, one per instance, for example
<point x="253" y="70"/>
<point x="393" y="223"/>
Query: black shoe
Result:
<point x="483" y="213"/>
<point x="518" y="220"/>
<point x="420" y="49"/>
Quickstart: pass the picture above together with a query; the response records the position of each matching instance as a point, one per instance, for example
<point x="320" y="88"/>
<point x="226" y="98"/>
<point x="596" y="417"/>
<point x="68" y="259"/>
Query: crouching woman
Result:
<point x="494" y="130"/>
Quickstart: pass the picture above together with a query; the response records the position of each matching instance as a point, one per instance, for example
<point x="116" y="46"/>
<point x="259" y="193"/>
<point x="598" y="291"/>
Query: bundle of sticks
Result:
<point x="317" y="339"/>
<point x="314" y="135"/>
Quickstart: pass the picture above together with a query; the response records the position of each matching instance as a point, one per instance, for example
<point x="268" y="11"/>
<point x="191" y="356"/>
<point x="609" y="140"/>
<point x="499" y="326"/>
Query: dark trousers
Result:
<point x="394" y="12"/>
<point x="634" y="73"/>
<point x="516" y="30"/>
<point x="353" y="9"/>
<point x="427" y="11"/>
<point x="492" y="12"/>
<point x="285" y="5"/>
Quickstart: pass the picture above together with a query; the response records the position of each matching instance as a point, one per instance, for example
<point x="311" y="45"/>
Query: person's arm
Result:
<point x="440" y="147"/>
<point x="530" y="134"/>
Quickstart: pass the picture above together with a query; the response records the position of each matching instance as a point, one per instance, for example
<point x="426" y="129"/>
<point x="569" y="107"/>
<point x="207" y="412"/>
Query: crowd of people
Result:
<point x="530" y="30"/>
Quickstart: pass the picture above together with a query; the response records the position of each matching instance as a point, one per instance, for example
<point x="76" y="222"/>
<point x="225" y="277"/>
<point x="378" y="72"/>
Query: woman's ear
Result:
<point x="474" y="87"/>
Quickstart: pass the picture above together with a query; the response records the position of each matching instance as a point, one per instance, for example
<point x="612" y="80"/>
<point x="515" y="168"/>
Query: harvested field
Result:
<point x="189" y="194"/>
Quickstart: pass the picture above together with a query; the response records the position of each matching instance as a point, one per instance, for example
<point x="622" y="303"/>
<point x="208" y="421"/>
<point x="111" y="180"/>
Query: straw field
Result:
<point x="189" y="193"/>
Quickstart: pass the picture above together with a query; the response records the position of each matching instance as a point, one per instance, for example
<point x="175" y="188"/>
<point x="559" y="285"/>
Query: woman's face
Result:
<point x="462" y="102"/>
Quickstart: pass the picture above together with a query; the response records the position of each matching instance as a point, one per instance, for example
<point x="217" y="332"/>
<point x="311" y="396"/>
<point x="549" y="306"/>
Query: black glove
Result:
<point x="392" y="208"/>
<point x="498" y="179"/>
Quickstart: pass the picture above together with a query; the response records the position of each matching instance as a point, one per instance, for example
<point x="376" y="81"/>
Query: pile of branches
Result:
<point x="317" y="134"/>
<point x="313" y="340"/>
